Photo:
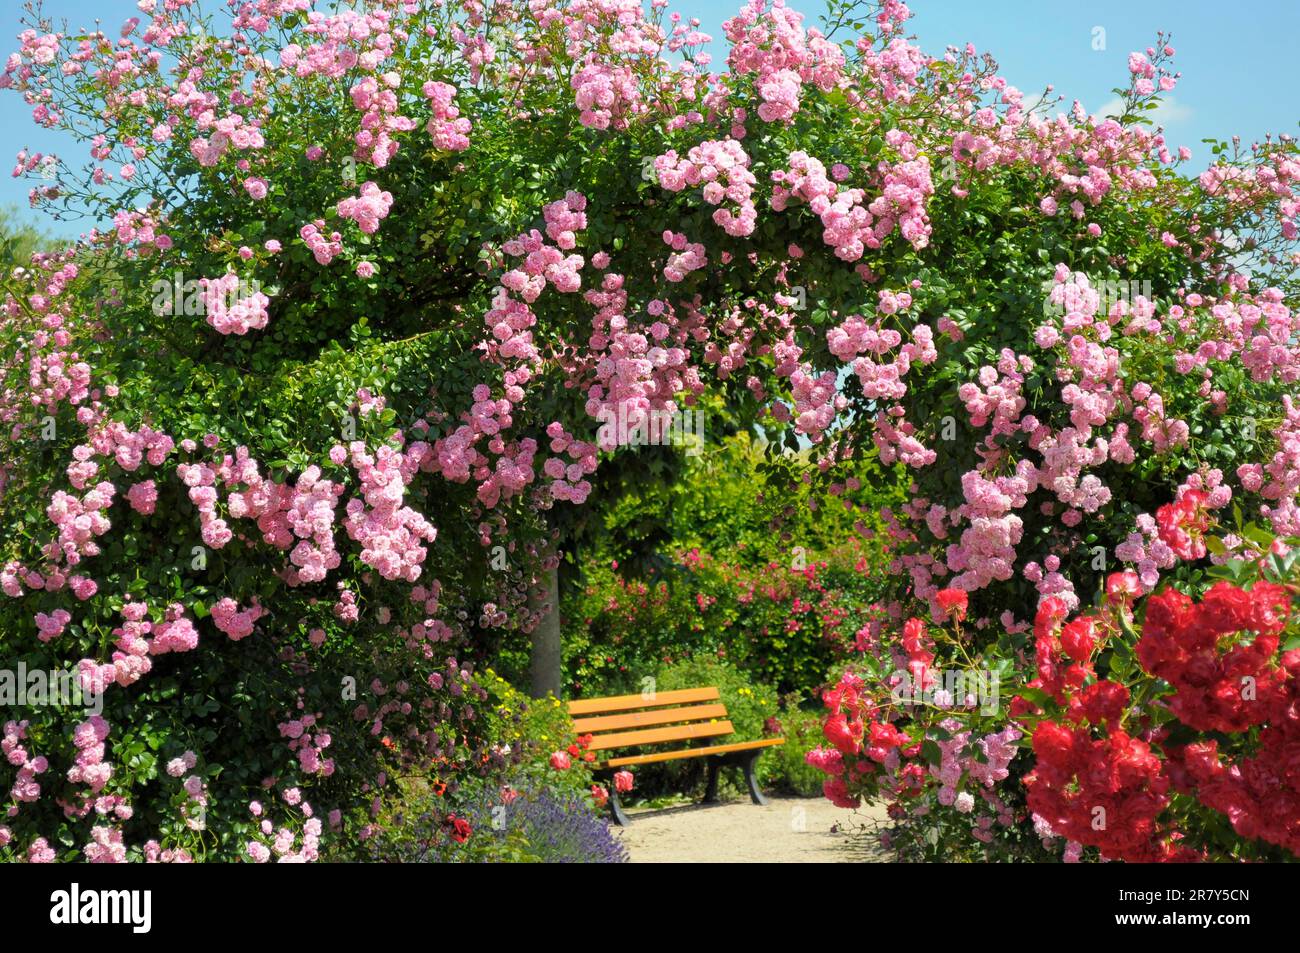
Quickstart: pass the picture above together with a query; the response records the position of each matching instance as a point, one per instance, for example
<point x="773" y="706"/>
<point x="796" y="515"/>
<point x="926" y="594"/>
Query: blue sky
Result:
<point x="1237" y="59"/>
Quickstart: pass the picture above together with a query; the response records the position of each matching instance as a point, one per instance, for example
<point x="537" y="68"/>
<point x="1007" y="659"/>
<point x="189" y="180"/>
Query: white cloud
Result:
<point x="1167" y="112"/>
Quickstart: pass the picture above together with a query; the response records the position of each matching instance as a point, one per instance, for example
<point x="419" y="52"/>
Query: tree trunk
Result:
<point x="545" y="663"/>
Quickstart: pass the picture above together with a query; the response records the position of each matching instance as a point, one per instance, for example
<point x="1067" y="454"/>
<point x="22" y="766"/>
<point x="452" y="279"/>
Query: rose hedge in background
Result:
<point x="785" y="627"/>
<point x="765" y="580"/>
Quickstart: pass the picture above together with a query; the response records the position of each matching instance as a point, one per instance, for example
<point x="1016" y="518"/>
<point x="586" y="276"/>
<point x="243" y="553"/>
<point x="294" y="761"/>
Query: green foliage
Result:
<point x="749" y="704"/>
<point x="19" y="239"/>
<point x="735" y="497"/>
<point x="783" y="768"/>
<point x="533" y="728"/>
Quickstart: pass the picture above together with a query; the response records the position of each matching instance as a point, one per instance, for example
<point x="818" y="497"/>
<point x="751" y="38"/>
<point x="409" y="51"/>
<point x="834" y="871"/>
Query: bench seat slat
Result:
<point x="654" y="736"/>
<point x="617" y="703"/>
<point x="691" y="752"/>
<point x="658" y="716"/>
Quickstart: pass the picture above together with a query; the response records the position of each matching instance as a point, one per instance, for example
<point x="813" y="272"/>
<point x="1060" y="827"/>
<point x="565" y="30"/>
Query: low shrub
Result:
<point x="519" y="817"/>
<point x="529" y="799"/>
<point x="750" y="705"/>
<point x="784" y="769"/>
<point x="558" y="827"/>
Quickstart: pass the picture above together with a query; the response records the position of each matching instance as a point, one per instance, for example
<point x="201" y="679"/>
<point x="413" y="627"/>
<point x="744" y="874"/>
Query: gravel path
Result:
<point x="786" y="830"/>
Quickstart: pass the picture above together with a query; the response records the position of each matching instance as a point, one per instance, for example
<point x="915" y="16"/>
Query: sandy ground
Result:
<point x="786" y="830"/>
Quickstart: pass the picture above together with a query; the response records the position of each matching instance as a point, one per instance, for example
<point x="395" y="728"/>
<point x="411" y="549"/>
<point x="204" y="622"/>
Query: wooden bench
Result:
<point x="652" y="718"/>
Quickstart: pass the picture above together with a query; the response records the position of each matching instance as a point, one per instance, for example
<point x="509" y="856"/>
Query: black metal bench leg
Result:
<point x="616" y="809"/>
<point x="751" y="778"/>
<point x="711" y="789"/>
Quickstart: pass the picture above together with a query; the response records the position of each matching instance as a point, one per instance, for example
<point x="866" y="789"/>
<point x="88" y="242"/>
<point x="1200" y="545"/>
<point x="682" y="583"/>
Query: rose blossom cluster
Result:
<point x="604" y="94"/>
<point x="447" y="127"/>
<point x="463" y="454"/>
<point x="89" y="767"/>
<point x="79" y="521"/>
<point x="25" y="787"/>
<point x="687" y="256"/>
<point x="1222" y="682"/>
<point x="129" y="449"/>
<point x="284" y="843"/>
<point x="390" y="533"/>
<point x="960" y="757"/>
<point x="296" y="517"/>
<point x="323" y="248"/>
<point x="368" y="208"/>
<point x="1097" y="784"/>
<point x="1108" y="792"/>
<point x="770" y="45"/>
<point x="721" y="170"/>
<point x="233" y="621"/>
<point x="1083" y="339"/>
<point x="635" y="373"/>
<point x="375" y="97"/>
<point x="850" y="224"/>
<point x="309" y="745"/>
<point x="862" y="742"/>
<point x="228" y="310"/>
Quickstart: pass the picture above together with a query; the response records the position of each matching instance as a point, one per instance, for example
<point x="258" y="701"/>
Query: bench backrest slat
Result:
<point x="618" y="703"/>
<point x="654" y="736"/>
<point x="642" y="719"/>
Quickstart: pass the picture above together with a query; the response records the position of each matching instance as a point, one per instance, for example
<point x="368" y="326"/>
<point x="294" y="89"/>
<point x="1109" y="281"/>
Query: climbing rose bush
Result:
<point x="1158" y="727"/>
<point x="285" y="443"/>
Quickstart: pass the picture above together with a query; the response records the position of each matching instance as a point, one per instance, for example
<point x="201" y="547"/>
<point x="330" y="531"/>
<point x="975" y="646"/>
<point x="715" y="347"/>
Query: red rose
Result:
<point x="953" y="602"/>
<point x="458" y="828"/>
<point x="1182" y="525"/>
<point x="843" y="734"/>
<point x="838" y="793"/>
<point x="1050" y="612"/>
<point x="1079" y="638"/>
<point x="1101" y="701"/>
<point x="1270" y="608"/>
<point x="1053" y="743"/>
